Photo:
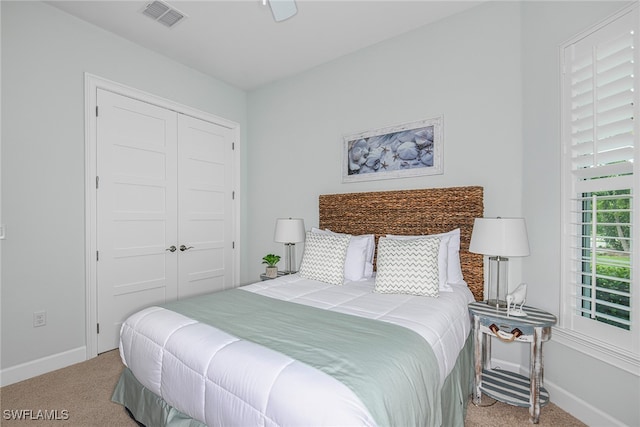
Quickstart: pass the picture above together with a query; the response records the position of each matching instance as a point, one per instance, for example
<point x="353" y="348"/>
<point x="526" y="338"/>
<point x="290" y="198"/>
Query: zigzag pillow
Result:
<point x="324" y="256"/>
<point x="408" y="266"/>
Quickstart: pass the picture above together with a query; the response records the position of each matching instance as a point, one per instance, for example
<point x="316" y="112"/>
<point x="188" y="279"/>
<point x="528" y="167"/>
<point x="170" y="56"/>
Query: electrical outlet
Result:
<point x="39" y="318"/>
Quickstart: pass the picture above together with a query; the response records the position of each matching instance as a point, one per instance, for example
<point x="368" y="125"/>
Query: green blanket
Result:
<point x="368" y="356"/>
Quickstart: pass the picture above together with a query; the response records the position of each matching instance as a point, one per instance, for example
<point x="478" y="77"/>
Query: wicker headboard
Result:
<point x="411" y="212"/>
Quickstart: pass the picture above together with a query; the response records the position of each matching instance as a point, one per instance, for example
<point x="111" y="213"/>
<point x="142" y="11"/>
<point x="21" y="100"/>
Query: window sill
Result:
<point x="618" y="358"/>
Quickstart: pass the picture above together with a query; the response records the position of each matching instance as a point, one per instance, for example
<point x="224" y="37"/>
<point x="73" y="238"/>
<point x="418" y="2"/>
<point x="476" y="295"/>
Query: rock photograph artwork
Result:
<point x="407" y="150"/>
<point x="400" y="150"/>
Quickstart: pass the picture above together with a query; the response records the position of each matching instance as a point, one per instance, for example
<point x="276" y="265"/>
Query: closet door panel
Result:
<point x="136" y="210"/>
<point x="204" y="198"/>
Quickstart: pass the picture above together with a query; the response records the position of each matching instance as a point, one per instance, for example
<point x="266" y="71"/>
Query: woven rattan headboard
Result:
<point x="411" y="212"/>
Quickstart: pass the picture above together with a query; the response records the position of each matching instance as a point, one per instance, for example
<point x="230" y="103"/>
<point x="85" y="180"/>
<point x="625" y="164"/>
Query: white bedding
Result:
<point x="219" y="379"/>
<point x="443" y="321"/>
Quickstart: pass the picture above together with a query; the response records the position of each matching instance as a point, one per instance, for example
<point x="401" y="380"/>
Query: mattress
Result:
<point x="219" y="379"/>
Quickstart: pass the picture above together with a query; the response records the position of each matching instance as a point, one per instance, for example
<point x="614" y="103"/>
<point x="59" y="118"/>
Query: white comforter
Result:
<point x="219" y="379"/>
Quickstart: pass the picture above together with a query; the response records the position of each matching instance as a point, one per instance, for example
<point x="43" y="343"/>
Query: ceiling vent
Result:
<point x="163" y="13"/>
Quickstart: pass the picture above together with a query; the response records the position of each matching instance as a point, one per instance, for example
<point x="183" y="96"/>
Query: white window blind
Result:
<point x="602" y="108"/>
<point x="600" y="162"/>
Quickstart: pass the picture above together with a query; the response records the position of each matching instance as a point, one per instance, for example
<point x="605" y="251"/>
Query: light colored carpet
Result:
<point x="84" y="391"/>
<point x="503" y="415"/>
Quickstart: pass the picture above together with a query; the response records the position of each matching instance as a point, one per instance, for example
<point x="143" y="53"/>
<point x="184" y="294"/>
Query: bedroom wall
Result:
<point x="492" y="71"/>
<point x="45" y="53"/>
<point x="569" y="373"/>
<point x="466" y="68"/>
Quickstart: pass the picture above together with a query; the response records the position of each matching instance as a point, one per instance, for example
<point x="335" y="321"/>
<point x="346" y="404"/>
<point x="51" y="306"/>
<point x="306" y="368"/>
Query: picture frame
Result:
<point x="401" y="151"/>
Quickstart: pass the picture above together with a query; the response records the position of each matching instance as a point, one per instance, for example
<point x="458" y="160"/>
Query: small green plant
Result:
<point x="271" y="260"/>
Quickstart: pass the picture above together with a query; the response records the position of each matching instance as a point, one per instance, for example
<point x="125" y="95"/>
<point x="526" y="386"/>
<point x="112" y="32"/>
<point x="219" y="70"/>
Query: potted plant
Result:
<point x="271" y="260"/>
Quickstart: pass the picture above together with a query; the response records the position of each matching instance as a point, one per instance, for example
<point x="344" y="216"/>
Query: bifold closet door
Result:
<point x="205" y="158"/>
<point x="164" y="209"/>
<point x="136" y="210"/>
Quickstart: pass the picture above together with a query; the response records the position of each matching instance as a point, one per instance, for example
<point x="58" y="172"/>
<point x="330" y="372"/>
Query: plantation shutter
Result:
<point x="601" y="96"/>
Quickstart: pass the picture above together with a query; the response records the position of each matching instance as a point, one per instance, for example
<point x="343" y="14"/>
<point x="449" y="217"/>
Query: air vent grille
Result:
<point x="163" y="13"/>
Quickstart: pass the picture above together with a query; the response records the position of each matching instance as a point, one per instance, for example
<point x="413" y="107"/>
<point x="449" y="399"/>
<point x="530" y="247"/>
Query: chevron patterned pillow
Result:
<point x="408" y="266"/>
<point x="324" y="256"/>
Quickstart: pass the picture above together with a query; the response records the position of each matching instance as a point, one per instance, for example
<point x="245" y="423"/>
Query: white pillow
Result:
<point x="371" y="249"/>
<point x="368" y="269"/>
<point x="408" y="266"/>
<point x="356" y="258"/>
<point x="324" y="257"/>
<point x="357" y="263"/>
<point x="454" y="269"/>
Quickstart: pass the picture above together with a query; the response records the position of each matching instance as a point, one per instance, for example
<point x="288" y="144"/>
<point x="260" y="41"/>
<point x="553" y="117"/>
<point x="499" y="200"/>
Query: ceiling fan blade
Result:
<point x="283" y="9"/>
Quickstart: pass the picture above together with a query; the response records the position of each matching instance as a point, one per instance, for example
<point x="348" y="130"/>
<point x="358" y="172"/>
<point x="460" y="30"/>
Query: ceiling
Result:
<point x="239" y="42"/>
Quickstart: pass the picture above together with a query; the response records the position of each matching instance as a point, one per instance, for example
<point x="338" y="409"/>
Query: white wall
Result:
<point x="45" y="53"/>
<point x="580" y="383"/>
<point x="466" y="68"/>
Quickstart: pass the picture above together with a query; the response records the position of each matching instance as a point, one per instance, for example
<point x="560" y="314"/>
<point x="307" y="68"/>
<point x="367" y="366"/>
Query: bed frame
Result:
<point x="411" y="212"/>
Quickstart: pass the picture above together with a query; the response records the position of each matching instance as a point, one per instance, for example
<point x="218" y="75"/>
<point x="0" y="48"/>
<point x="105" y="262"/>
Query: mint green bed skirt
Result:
<point x="151" y="410"/>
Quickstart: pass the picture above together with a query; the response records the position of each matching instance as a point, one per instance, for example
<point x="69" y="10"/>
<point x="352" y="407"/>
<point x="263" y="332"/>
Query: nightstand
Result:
<point x="264" y="277"/>
<point x="503" y="385"/>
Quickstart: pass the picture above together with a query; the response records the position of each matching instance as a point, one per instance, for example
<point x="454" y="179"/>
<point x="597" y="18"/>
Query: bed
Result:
<point x="331" y="345"/>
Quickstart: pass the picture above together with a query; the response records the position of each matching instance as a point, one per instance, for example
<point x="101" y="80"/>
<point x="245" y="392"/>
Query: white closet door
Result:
<point x="136" y="210"/>
<point x="205" y="223"/>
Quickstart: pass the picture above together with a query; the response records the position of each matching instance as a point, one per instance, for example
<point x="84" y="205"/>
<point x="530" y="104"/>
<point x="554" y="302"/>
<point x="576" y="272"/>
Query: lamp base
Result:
<point x="496" y="303"/>
<point x="290" y="258"/>
<point x="497" y="287"/>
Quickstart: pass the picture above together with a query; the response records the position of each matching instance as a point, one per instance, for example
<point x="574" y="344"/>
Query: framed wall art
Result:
<point x="401" y="151"/>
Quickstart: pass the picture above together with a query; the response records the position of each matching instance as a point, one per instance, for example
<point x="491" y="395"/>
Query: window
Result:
<point x="605" y="257"/>
<point x="601" y="185"/>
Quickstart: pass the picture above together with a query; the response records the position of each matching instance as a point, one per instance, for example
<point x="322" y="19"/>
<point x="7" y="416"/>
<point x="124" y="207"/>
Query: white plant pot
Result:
<point x="271" y="272"/>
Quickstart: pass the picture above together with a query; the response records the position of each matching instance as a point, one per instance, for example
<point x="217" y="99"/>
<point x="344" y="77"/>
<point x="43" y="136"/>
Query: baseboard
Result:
<point x="41" y="366"/>
<point x="579" y="408"/>
<point x="566" y="401"/>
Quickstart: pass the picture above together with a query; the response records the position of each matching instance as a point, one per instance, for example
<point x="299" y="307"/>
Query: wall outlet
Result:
<point x="39" y="318"/>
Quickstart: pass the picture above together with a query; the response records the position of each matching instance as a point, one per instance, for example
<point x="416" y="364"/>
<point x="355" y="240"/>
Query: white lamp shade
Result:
<point x="289" y="230"/>
<point x="499" y="237"/>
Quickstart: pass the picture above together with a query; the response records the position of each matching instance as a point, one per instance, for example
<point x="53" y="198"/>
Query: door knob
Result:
<point x="172" y="248"/>
<point x="185" y="248"/>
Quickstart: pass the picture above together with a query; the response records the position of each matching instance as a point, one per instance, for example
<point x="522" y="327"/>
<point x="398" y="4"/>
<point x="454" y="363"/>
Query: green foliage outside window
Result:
<point x="613" y="266"/>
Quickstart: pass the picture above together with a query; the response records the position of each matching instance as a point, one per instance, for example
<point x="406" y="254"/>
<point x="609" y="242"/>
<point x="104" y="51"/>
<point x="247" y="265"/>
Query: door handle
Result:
<point x="171" y="248"/>
<point x="185" y="248"/>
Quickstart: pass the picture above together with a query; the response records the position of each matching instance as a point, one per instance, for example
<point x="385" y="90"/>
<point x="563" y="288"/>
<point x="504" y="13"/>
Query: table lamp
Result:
<point x="499" y="238"/>
<point x="289" y="231"/>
